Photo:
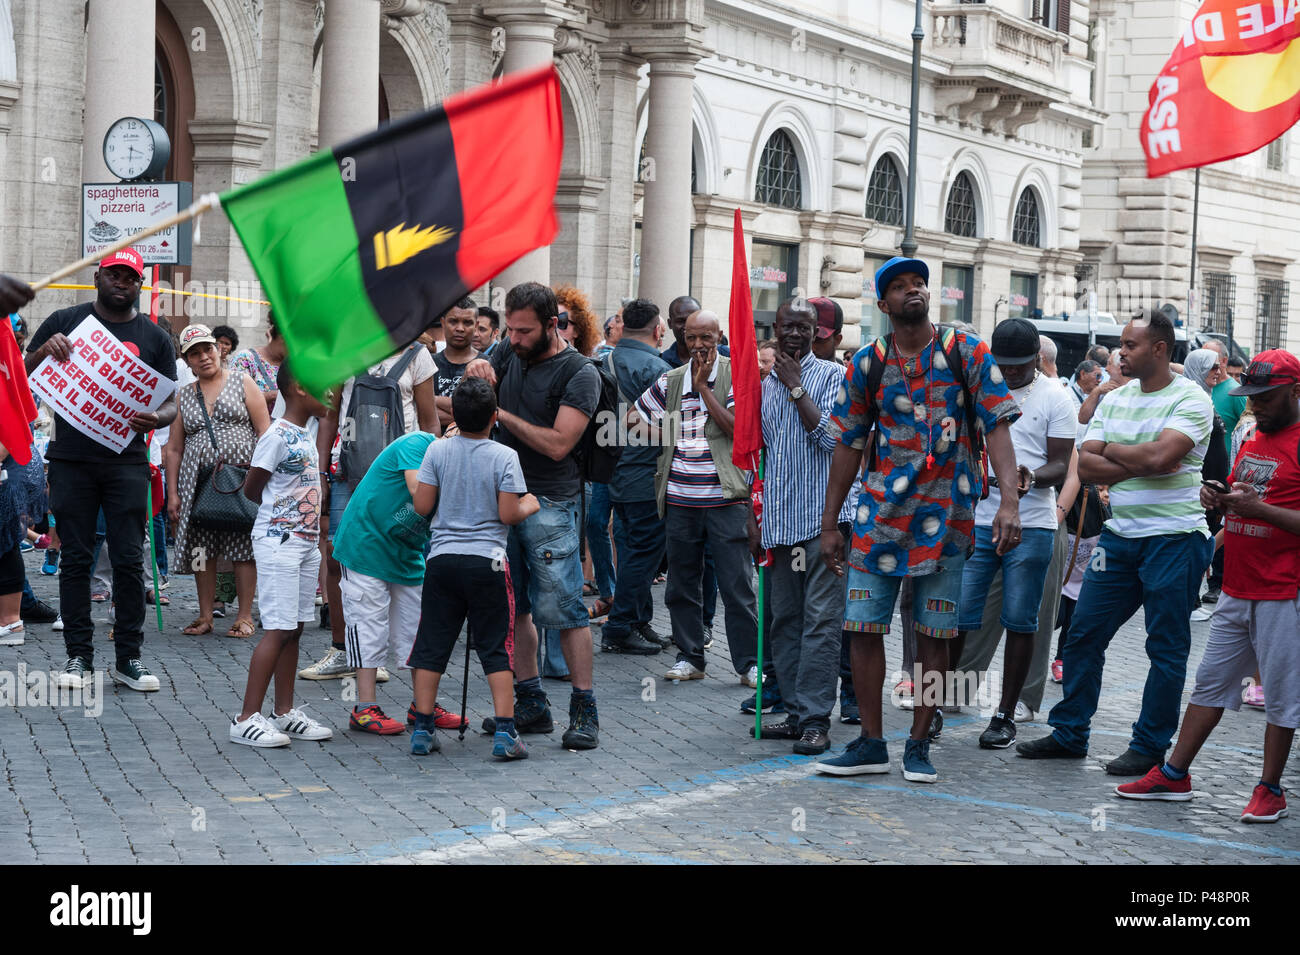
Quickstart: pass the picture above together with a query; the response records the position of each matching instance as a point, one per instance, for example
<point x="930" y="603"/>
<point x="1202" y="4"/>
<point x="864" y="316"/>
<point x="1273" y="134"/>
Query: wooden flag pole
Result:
<point x="192" y="211"/>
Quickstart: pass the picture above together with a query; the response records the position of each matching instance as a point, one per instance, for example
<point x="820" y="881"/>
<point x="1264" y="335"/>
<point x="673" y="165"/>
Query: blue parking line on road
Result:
<point x="1061" y="814"/>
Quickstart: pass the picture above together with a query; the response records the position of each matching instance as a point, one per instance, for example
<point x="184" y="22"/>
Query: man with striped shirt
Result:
<point x="1147" y="441"/>
<point x="704" y="498"/>
<point x="807" y="598"/>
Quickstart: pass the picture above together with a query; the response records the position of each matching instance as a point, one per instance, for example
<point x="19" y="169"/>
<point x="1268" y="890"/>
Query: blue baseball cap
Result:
<point x="897" y="266"/>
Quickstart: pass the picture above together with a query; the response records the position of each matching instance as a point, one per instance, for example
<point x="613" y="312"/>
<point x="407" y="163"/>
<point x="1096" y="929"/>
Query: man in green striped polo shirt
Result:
<point x="1147" y="441"/>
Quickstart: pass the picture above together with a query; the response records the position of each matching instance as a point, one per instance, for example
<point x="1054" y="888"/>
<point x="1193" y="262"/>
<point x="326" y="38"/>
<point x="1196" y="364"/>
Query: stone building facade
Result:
<point x="676" y="113"/>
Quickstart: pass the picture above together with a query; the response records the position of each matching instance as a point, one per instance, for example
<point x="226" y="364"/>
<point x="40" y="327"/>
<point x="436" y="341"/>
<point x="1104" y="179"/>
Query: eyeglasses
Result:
<point x="562" y="321"/>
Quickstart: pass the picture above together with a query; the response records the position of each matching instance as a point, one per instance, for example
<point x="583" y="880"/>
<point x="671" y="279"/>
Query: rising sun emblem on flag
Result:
<point x="401" y="243"/>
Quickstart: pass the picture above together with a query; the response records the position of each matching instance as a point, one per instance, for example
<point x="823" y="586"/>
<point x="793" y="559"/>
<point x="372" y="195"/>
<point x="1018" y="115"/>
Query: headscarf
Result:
<point x="1198" y="365"/>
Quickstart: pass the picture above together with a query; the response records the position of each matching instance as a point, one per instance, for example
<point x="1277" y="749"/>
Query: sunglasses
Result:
<point x="562" y="321"/>
<point x="1266" y="381"/>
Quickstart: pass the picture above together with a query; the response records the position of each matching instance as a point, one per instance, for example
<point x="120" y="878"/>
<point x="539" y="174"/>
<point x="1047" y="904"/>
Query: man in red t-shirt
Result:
<point x="1257" y="620"/>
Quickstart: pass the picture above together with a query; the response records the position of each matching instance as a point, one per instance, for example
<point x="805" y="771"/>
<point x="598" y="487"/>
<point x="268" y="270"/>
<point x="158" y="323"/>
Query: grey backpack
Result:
<point x="373" y="420"/>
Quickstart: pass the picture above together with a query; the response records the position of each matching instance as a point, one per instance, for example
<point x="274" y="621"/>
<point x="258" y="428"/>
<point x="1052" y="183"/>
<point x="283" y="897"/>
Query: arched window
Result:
<point x="779" y="182"/>
<point x="885" y="193"/>
<point x="959" y="216"/>
<point x="1026" y="227"/>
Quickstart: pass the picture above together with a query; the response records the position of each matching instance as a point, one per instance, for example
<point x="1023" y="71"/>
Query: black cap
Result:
<point x="1015" y="342"/>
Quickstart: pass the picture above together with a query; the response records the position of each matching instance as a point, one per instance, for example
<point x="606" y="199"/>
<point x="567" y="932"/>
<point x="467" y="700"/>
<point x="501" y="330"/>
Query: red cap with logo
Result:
<point x="1268" y="370"/>
<point x="128" y="257"/>
<point x="830" y="318"/>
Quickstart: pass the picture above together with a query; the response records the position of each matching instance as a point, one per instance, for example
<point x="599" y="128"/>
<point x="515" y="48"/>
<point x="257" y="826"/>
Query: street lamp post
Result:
<point x="908" y="245"/>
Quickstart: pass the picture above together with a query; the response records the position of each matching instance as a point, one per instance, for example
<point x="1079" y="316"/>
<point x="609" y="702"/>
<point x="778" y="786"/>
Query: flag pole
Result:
<point x="762" y="596"/>
<point x="195" y="209"/>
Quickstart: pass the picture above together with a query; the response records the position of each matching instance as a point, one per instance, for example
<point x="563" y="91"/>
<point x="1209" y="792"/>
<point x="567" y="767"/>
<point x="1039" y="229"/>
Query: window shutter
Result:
<point x="1063" y="16"/>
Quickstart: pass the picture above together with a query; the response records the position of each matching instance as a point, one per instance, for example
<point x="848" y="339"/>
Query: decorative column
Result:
<point x="530" y="42"/>
<point x="666" y="172"/>
<point x="119" y="74"/>
<point x="349" y="76"/>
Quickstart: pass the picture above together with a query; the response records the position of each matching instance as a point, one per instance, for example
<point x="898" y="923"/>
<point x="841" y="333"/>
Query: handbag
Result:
<point x="219" y="501"/>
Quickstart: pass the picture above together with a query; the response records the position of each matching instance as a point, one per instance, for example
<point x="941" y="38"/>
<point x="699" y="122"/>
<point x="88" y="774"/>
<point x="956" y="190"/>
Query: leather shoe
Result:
<point x="813" y="742"/>
<point x="633" y="643"/>
<point x="1046" y="748"/>
<point x="651" y="635"/>
<point x="1132" y="763"/>
<point x="786" y="729"/>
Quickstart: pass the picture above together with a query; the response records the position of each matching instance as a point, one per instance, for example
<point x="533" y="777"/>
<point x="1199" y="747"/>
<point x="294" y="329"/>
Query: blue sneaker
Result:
<point x="849" y="710"/>
<point x="772" y="702"/>
<point x="51" y="565"/>
<point x="505" y="746"/>
<point x="424" y="742"/>
<point x="860" y="757"/>
<point x="25" y="546"/>
<point x="917" y="767"/>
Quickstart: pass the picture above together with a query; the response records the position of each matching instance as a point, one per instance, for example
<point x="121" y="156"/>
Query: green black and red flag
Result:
<point x="361" y="247"/>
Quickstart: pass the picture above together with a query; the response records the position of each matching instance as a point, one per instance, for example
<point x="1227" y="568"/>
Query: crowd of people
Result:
<point x="469" y="482"/>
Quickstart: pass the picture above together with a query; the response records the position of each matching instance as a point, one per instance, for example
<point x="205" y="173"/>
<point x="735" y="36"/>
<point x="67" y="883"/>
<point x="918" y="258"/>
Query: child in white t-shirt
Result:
<point x="284" y="479"/>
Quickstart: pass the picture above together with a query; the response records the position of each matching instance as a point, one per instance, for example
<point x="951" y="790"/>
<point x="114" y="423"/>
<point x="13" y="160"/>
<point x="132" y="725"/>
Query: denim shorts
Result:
<point x="871" y="599"/>
<point x="1024" y="574"/>
<point x="546" y="567"/>
<point x="340" y="494"/>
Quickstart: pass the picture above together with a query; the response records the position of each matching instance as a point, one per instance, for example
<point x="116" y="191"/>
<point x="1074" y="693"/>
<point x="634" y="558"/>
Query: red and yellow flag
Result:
<point x="1231" y="85"/>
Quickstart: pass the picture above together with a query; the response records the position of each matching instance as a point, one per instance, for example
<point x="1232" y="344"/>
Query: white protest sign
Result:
<point x="101" y="386"/>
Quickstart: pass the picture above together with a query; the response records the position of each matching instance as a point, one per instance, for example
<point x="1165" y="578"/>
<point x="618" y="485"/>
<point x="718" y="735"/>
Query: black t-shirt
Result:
<point x="447" y="375"/>
<point x="525" y="390"/>
<point x="154" y="347"/>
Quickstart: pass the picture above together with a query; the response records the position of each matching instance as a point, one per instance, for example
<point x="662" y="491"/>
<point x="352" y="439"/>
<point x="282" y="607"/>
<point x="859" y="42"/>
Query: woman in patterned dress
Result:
<point x="261" y="364"/>
<point x="239" y="416"/>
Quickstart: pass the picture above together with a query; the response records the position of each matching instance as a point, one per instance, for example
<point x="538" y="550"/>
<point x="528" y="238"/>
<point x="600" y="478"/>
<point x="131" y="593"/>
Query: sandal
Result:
<point x="151" y="598"/>
<point x="242" y="628"/>
<point x="589" y="589"/>
<point x="600" y="609"/>
<point x="198" y="627"/>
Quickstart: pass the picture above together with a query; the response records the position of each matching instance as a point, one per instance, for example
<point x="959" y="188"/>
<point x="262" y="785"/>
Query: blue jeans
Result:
<point x="640" y="549"/>
<point x="1024" y="570"/>
<point x="545" y="567"/>
<point x="1162" y="575"/>
<point x="602" y="558"/>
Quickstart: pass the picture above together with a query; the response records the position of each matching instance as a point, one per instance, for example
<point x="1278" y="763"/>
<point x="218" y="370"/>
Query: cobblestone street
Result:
<point x="154" y="779"/>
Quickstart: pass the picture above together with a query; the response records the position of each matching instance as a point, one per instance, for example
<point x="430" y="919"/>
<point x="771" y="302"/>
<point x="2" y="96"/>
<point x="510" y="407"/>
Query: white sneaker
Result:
<point x="257" y="731"/>
<point x="1023" y="714"/>
<point x="298" y="725"/>
<point x="57" y="626"/>
<point x="11" y="634"/>
<point x="684" y="670"/>
<point x="1202" y="614"/>
<point x="381" y="674"/>
<point x="750" y="679"/>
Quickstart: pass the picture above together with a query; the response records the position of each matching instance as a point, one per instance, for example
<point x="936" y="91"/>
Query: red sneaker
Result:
<point x="441" y="718"/>
<point x="1264" y="806"/>
<point x="1156" y="785"/>
<point x="373" y="720"/>
<point x="1058" y="669"/>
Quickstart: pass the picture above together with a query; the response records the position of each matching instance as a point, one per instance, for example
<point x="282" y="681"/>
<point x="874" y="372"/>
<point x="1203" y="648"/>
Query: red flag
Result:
<point x="745" y="381"/>
<point x="1230" y="91"/>
<point x="16" y="406"/>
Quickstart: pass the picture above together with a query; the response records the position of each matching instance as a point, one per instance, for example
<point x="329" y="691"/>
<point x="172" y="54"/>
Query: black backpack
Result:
<point x="596" y="459"/>
<point x="952" y="352"/>
<point x="376" y="416"/>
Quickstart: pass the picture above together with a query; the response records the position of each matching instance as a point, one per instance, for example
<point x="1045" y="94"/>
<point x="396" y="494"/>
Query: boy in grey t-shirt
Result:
<point x="480" y="490"/>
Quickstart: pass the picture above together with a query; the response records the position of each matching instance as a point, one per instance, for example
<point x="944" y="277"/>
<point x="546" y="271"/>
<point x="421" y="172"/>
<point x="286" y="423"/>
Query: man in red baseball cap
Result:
<point x="830" y="327"/>
<point x="86" y="476"/>
<point x="1257" y="617"/>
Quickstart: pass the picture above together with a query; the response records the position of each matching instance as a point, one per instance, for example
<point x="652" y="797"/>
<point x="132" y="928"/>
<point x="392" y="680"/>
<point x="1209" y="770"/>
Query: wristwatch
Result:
<point x="797" y="392"/>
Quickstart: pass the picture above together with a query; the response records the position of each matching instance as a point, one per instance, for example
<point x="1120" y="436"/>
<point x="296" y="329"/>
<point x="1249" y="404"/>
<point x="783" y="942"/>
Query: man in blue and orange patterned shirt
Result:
<point x="916" y="510"/>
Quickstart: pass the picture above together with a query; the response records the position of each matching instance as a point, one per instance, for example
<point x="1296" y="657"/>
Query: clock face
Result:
<point x="129" y="148"/>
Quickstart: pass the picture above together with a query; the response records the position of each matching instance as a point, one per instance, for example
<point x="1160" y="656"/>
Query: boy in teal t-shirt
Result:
<point x="381" y="544"/>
